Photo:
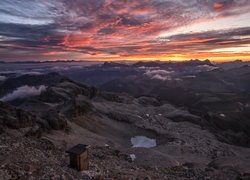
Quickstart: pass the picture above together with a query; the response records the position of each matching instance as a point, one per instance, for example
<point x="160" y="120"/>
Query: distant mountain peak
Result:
<point x="114" y="64"/>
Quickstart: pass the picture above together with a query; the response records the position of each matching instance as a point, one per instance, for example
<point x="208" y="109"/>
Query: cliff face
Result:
<point x="48" y="110"/>
<point x="14" y="118"/>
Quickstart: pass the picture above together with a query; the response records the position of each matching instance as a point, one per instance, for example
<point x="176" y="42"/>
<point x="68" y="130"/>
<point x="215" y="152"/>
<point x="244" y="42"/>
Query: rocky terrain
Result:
<point x="37" y="129"/>
<point x="31" y="158"/>
<point x="217" y="93"/>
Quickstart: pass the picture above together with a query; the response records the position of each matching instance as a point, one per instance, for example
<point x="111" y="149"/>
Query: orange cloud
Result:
<point x="126" y="29"/>
<point x="218" y="5"/>
<point x="76" y="41"/>
<point x="52" y="53"/>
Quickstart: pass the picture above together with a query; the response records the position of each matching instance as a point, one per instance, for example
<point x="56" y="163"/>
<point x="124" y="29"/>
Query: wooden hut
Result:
<point x="79" y="158"/>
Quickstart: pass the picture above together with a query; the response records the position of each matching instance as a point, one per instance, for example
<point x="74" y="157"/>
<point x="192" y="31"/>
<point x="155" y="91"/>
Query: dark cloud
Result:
<point x="106" y="31"/>
<point x="27" y="31"/>
<point x="132" y="21"/>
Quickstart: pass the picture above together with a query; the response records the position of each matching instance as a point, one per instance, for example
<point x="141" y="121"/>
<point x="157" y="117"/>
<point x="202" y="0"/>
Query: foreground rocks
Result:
<point x="31" y="158"/>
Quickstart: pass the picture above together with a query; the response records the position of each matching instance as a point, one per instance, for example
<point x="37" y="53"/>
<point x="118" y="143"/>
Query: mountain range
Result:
<point x="196" y="112"/>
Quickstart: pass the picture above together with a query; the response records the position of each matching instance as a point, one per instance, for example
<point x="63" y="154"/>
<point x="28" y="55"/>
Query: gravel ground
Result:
<point x="32" y="158"/>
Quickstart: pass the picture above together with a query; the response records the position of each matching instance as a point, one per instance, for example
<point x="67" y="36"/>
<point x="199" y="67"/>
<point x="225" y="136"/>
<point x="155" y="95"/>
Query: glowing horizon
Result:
<point x="114" y="30"/>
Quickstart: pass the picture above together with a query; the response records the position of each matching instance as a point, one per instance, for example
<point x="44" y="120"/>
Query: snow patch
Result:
<point x="133" y="157"/>
<point x="222" y="115"/>
<point x="142" y="141"/>
<point x="139" y="116"/>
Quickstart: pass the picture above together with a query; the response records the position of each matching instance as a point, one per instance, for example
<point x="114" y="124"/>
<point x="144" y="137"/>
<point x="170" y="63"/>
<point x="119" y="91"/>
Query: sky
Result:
<point x="40" y="30"/>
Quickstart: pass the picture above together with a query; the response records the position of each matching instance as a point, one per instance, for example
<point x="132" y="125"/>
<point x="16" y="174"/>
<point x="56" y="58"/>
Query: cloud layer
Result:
<point x="24" y="92"/>
<point x="124" y="29"/>
<point x="159" y="74"/>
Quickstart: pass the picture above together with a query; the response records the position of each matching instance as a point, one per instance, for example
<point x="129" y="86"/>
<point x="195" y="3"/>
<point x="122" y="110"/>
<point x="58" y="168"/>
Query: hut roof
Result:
<point x="78" y="149"/>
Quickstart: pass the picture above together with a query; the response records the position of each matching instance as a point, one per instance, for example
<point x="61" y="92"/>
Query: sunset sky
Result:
<point x="124" y="30"/>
